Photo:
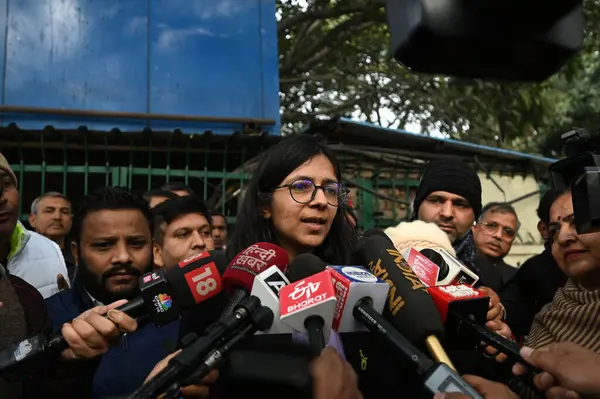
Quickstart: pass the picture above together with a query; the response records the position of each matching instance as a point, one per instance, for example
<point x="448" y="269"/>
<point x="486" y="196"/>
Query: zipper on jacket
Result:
<point x="125" y="343"/>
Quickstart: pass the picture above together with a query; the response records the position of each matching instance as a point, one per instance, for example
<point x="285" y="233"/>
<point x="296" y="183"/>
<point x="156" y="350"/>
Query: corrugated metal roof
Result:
<point x="420" y="146"/>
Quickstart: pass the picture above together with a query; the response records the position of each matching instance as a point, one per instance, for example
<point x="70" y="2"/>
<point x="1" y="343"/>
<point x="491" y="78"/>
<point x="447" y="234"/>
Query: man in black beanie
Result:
<point x="449" y="195"/>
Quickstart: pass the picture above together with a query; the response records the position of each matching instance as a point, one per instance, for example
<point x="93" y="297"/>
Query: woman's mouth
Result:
<point x="571" y="254"/>
<point x="315" y="223"/>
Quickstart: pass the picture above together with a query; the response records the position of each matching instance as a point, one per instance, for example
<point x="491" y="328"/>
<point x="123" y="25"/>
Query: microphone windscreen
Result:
<point x="250" y="262"/>
<point x="304" y="266"/>
<point x="196" y="278"/>
<point x="409" y="308"/>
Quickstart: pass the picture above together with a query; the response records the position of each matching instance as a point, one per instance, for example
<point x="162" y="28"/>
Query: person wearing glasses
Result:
<point x="294" y="200"/>
<point x="494" y="234"/>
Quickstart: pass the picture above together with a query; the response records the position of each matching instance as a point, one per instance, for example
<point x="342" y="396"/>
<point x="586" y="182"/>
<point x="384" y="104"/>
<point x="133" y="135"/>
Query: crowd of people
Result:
<point x="73" y="266"/>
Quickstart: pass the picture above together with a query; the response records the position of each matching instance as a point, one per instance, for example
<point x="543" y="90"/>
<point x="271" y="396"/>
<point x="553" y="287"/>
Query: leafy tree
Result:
<point x="335" y="60"/>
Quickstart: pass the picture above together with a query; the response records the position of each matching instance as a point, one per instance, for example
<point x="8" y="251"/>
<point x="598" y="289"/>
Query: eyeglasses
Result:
<point x="490" y="228"/>
<point x="304" y="191"/>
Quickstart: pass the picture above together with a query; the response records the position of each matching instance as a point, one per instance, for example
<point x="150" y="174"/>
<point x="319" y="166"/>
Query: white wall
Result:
<point x="529" y="242"/>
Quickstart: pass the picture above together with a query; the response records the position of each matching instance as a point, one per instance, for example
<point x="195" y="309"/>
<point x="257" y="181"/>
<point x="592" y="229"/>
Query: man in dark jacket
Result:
<point x="112" y="245"/>
<point x="494" y="234"/>
<point x="449" y="195"/>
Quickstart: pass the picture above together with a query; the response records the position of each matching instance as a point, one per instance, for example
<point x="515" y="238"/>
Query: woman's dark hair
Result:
<point x="274" y="166"/>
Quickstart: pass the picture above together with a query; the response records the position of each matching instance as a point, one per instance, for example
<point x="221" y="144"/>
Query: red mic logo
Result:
<point x="254" y="259"/>
<point x="425" y="269"/>
<point x="306" y="293"/>
<point x="204" y="282"/>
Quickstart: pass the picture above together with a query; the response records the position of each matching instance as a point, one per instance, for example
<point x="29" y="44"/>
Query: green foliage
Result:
<point x="335" y="60"/>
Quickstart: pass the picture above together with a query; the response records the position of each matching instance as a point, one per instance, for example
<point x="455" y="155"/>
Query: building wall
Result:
<point x="529" y="242"/>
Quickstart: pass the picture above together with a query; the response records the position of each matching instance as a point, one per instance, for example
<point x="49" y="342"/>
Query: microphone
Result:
<point x="352" y="283"/>
<point x="246" y="318"/>
<point x="452" y="271"/>
<point x="427" y="270"/>
<point x="410" y="309"/>
<point x="239" y="275"/>
<point x="266" y="287"/>
<point x="162" y="296"/>
<point x="308" y="304"/>
<point x="463" y="310"/>
<point x="362" y="292"/>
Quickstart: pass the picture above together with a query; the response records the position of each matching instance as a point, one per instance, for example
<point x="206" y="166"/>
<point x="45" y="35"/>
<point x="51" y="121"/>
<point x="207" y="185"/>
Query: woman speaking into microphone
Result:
<point x="294" y="200"/>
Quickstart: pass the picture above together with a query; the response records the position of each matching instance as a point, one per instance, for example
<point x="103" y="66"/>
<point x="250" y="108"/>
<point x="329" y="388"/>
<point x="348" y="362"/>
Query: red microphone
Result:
<point x="464" y="310"/>
<point x="239" y="275"/>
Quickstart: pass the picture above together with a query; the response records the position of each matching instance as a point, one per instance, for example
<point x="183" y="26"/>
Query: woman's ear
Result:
<point x="265" y="211"/>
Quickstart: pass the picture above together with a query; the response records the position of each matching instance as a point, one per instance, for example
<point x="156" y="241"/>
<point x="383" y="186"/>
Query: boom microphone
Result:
<point x="240" y="274"/>
<point x="410" y="309"/>
<point x="162" y="296"/>
<point x="308" y="304"/>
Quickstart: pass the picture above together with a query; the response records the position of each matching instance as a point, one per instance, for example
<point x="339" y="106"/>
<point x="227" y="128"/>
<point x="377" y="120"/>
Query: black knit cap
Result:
<point x="451" y="176"/>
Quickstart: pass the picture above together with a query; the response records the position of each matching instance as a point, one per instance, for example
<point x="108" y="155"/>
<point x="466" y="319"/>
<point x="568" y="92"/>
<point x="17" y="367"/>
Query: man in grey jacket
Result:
<point x="24" y="253"/>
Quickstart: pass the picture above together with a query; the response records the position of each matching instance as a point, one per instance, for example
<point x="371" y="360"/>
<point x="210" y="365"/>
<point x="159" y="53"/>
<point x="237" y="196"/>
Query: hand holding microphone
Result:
<point x="496" y="310"/>
<point x="567" y="368"/>
<point x="91" y="334"/>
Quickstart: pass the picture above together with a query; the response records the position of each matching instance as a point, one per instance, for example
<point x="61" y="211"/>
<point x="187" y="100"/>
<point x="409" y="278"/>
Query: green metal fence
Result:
<point x="77" y="163"/>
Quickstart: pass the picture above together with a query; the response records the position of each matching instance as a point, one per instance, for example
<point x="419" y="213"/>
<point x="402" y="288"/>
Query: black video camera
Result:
<point x="581" y="171"/>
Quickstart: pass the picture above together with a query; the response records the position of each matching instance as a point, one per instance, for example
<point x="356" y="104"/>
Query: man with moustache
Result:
<point x="24" y="253"/>
<point x="449" y="195"/>
<point x="494" y="233"/>
<point x="112" y="246"/>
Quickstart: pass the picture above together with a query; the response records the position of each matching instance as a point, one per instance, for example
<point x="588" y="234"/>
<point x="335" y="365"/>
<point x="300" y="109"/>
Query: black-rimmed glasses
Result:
<point x="304" y="191"/>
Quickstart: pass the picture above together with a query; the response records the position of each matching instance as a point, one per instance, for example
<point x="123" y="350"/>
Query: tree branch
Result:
<point x="326" y="50"/>
<point x="325" y="13"/>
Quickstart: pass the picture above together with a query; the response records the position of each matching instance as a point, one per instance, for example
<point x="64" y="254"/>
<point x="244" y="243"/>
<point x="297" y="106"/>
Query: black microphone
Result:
<point x="163" y="293"/>
<point x="359" y="292"/>
<point x="410" y="309"/>
<point x="248" y="312"/>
